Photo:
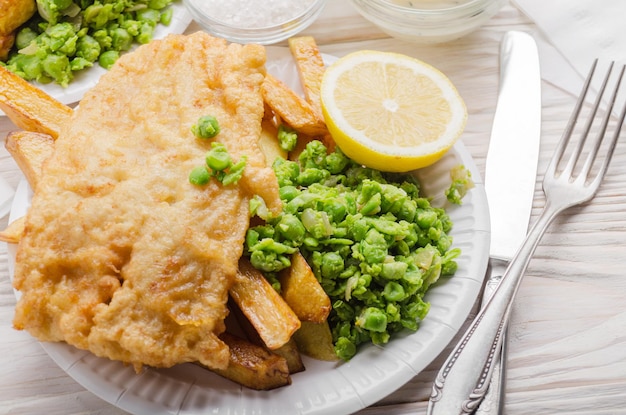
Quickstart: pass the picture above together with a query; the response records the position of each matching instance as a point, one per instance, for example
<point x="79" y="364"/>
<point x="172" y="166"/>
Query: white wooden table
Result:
<point x="568" y="329"/>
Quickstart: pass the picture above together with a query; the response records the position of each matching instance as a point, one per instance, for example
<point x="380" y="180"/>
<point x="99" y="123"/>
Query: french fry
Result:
<point x="310" y="65"/>
<point x="302" y="292"/>
<point x="29" y="107"/>
<point x="268" y="142"/>
<point x="292" y="356"/>
<point x="289" y="351"/>
<point x="13" y="233"/>
<point x="291" y="108"/>
<point x="253" y="366"/>
<point x="316" y="340"/>
<point x="263" y="306"/>
<point x="6" y="43"/>
<point x="30" y="150"/>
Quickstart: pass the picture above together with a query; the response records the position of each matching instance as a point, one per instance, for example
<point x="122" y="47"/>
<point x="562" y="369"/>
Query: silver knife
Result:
<point x="510" y="175"/>
<point x="510" y="206"/>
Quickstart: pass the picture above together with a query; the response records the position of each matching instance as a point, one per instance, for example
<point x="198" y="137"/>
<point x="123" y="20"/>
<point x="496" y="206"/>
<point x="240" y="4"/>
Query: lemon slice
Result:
<point x="391" y="112"/>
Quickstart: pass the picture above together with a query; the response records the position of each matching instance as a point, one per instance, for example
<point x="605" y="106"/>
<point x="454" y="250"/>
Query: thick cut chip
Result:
<point x="30" y="150"/>
<point x="303" y="292"/>
<point x="15" y="12"/>
<point x="121" y="254"/>
<point x="6" y="43"/>
<point x="273" y="319"/>
<point x="253" y="366"/>
<point x="29" y="107"/>
<point x="291" y="108"/>
<point x="13" y="233"/>
<point x="310" y="64"/>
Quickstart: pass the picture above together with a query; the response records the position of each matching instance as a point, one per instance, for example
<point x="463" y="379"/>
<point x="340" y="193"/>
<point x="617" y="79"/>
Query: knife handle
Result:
<point x="462" y="382"/>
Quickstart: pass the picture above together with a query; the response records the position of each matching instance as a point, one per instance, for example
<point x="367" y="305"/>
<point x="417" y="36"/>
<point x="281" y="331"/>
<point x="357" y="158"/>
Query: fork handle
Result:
<point x="463" y="380"/>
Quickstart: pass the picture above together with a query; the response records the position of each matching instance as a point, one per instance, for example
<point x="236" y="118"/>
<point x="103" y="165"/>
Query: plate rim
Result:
<point x="87" y="79"/>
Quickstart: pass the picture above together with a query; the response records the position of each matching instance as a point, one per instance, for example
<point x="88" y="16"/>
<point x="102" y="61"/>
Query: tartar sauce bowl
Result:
<point x="428" y="21"/>
<point x="253" y="21"/>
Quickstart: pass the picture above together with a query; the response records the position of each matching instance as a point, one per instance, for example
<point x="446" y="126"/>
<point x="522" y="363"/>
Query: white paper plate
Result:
<point x="86" y="79"/>
<point x="323" y="388"/>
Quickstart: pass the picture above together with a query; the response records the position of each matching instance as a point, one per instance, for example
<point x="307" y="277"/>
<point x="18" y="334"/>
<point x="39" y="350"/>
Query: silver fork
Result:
<point x="462" y="382"/>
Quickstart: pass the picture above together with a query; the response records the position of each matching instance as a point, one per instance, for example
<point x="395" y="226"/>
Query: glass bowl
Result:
<point x="253" y="21"/>
<point x="428" y="21"/>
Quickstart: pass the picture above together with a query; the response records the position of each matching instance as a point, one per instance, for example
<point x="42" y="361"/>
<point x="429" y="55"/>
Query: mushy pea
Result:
<point x="68" y="36"/>
<point x="375" y="244"/>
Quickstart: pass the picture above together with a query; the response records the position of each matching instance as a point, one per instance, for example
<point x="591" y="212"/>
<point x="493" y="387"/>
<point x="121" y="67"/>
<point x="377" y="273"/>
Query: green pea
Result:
<point x="287" y="137"/>
<point x="78" y="63"/>
<point x="235" y="173"/>
<point x="374" y="247"/>
<point x="310" y="176"/>
<point x="335" y="209"/>
<point x="88" y="48"/>
<point x="146" y="32"/>
<point x="394" y="270"/>
<point x="30" y="66"/>
<point x="218" y="158"/>
<point x="199" y="176"/>
<point x="332" y="265"/>
<point x="372" y="205"/>
<point x="108" y="58"/>
<point x="207" y="126"/>
<point x="148" y="15"/>
<point x="372" y="319"/>
<point x="314" y="155"/>
<point x="288" y="193"/>
<point x="166" y="16"/>
<point x="24" y="37"/>
<point x="269" y="261"/>
<point x="344" y="348"/>
<point x="316" y="223"/>
<point x="425" y="218"/>
<point x="120" y="39"/>
<point x="291" y="228"/>
<point x="102" y="37"/>
<point x="336" y="162"/>
<point x="393" y="291"/>
<point x="58" y="68"/>
<point x="286" y="171"/>
<point x="158" y="4"/>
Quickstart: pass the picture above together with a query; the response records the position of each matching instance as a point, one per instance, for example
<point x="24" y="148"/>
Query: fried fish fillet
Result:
<point x="121" y="254"/>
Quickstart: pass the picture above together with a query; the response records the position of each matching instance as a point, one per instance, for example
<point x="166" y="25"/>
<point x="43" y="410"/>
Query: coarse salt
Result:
<point x="254" y="14"/>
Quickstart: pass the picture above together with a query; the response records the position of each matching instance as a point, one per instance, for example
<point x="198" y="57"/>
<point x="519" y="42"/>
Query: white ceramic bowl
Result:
<point x="428" y="21"/>
<point x="253" y="21"/>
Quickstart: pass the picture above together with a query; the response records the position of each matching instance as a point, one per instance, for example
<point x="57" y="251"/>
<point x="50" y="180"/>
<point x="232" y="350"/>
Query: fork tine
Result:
<point x="618" y="129"/>
<point x="601" y="133"/>
<point x="569" y="128"/>
<point x="585" y="132"/>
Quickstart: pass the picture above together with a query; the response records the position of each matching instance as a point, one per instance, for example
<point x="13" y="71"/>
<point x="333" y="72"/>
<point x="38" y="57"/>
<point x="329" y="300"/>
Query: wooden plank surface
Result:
<point x="568" y="329"/>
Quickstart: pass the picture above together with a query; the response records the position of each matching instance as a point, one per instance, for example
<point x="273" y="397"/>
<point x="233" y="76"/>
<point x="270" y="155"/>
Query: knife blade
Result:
<point x="510" y="176"/>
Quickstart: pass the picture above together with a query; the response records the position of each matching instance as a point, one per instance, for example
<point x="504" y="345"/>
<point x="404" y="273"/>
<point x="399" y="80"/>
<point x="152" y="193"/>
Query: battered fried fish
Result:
<point x="121" y="254"/>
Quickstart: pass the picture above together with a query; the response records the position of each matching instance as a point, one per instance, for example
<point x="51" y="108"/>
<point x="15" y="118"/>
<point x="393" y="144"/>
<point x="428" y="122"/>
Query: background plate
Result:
<point x="85" y="80"/>
<point x="324" y="387"/>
